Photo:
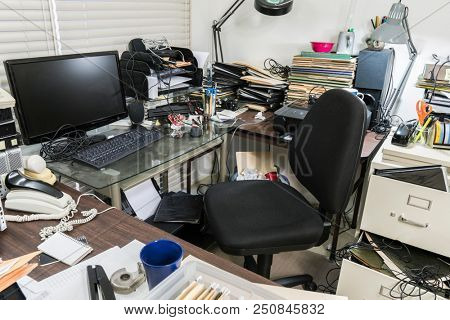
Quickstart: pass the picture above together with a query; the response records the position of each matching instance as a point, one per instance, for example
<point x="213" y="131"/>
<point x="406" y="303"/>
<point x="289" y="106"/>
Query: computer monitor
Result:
<point x="84" y="91"/>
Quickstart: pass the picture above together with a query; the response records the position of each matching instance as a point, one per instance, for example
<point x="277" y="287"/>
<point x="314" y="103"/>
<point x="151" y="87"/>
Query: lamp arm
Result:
<point x="217" y="28"/>
<point x="411" y="46"/>
<point x="401" y="88"/>
<point x="236" y="5"/>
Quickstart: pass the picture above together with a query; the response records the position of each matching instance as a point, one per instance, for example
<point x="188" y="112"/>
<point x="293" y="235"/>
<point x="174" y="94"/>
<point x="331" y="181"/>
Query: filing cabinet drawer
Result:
<point x="360" y="283"/>
<point x="412" y="214"/>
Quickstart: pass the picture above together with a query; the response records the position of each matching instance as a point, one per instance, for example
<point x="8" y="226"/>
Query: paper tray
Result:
<point x="240" y="289"/>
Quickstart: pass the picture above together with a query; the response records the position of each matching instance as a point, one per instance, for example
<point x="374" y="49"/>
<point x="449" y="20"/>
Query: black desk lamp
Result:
<point x="396" y="31"/>
<point x="267" y="7"/>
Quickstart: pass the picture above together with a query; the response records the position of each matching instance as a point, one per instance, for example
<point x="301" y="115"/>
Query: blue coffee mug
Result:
<point x="160" y="259"/>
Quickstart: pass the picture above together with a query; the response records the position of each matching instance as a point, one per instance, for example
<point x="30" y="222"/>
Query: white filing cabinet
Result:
<point x="360" y="283"/>
<point x="412" y="214"/>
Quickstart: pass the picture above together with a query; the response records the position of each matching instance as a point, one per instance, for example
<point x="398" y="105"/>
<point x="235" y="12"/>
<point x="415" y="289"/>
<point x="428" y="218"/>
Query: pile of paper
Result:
<point x="13" y="270"/>
<point x="315" y="73"/>
<point x="435" y="77"/>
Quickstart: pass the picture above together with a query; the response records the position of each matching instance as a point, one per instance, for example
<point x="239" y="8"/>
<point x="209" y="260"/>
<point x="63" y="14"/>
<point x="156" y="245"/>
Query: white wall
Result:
<point x="253" y="37"/>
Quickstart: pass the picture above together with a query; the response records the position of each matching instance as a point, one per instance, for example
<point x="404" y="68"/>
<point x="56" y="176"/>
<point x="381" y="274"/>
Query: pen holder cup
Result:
<point x="196" y="132"/>
<point x="210" y="95"/>
<point x="160" y="259"/>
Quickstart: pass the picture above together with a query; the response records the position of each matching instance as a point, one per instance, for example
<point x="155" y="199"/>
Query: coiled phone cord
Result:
<point x="65" y="225"/>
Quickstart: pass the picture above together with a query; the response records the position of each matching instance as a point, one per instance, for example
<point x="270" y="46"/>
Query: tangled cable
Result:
<point x="64" y="144"/>
<point x="65" y="225"/>
<point x="277" y="69"/>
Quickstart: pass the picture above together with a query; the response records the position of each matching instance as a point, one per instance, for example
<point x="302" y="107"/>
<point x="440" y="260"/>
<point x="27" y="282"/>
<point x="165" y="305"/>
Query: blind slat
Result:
<point x="97" y="25"/>
<point x="26" y="26"/>
<point x="25" y="32"/>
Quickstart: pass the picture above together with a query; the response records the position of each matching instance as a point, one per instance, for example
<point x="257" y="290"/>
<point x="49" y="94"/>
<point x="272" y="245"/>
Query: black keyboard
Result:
<point x="109" y="151"/>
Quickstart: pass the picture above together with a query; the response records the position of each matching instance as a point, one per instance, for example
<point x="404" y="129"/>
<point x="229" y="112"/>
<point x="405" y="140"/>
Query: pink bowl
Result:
<point x="322" y="46"/>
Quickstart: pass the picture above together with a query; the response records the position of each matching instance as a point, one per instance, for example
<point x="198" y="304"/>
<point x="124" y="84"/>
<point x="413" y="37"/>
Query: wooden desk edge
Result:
<point x="21" y="239"/>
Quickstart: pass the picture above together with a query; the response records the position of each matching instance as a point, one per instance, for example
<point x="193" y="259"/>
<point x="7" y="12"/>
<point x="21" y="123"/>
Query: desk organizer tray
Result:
<point x="239" y="288"/>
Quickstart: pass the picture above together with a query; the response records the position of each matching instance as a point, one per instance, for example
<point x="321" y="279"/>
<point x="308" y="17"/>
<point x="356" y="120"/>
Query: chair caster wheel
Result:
<point x="311" y="286"/>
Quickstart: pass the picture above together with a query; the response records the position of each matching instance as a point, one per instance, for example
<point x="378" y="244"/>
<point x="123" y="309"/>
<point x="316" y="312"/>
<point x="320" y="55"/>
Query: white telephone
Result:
<point x="44" y="202"/>
<point x="42" y="205"/>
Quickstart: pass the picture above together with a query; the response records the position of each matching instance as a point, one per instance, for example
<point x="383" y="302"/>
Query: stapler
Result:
<point x="99" y="284"/>
<point x="402" y="136"/>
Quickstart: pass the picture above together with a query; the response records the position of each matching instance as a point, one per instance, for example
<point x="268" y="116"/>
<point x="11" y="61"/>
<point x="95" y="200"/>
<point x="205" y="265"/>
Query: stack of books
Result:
<point x="316" y="73"/>
<point x="251" y="84"/>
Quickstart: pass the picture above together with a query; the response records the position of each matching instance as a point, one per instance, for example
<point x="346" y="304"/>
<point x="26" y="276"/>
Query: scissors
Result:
<point x="423" y="111"/>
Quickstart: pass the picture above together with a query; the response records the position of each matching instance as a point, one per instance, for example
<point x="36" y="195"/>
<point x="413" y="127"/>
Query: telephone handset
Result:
<point x="43" y="200"/>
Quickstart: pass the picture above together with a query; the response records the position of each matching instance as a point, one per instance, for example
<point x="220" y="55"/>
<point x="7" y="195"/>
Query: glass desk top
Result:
<point x="158" y="153"/>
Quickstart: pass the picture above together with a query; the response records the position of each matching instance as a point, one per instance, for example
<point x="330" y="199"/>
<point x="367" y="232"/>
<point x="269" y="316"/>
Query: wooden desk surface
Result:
<point x="265" y="130"/>
<point x="114" y="228"/>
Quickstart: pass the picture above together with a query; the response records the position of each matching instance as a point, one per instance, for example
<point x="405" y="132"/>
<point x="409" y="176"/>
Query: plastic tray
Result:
<point x="240" y="289"/>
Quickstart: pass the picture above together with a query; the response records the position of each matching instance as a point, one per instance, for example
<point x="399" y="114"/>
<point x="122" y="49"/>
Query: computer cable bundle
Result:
<point x="64" y="144"/>
<point x="413" y="283"/>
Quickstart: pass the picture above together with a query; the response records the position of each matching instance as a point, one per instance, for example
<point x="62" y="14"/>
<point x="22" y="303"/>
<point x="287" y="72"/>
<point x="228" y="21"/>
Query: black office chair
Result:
<point x="264" y="218"/>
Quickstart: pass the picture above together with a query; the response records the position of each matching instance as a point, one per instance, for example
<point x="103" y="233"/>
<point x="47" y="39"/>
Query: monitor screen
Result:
<point x="84" y="91"/>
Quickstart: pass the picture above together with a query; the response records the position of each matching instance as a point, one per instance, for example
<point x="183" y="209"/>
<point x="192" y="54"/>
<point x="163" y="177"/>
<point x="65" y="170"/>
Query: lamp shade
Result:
<point x="274" y="7"/>
<point x="393" y="31"/>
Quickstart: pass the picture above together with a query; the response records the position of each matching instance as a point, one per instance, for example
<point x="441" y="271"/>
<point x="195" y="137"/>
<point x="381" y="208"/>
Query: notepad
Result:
<point x="65" y="248"/>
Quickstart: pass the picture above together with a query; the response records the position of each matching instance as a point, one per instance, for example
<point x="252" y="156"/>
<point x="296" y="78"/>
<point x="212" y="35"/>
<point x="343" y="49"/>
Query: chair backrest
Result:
<point x="326" y="149"/>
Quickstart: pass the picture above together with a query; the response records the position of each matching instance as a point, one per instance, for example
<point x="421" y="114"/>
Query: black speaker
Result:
<point x="373" y="76"/>
<point x="136" y="112"/>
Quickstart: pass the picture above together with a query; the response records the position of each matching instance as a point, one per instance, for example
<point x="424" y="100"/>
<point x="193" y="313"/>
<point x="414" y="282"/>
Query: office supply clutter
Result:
<point x="152" y="67"/>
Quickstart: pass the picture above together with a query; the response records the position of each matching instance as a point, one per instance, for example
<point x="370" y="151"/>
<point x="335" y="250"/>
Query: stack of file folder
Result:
<point x="437" y="85"/>
<point x="227" y="78"/>
<point x="435" y="78"/>
<point x="315" y="73"/>
<point x="251" y="84"/>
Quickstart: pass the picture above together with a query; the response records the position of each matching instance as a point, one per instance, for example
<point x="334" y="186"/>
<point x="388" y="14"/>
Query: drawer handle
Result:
<point x="413" y="223"/>
<point x="386" y="292"/>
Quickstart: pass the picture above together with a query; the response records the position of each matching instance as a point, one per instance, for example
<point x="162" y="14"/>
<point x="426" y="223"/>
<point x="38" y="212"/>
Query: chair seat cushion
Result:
<point x="261" y="217"/>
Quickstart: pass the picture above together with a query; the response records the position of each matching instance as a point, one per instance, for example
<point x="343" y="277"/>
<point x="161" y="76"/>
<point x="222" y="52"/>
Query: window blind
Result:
<point x="25" y="31"/>
<point x="98" y="25"/>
